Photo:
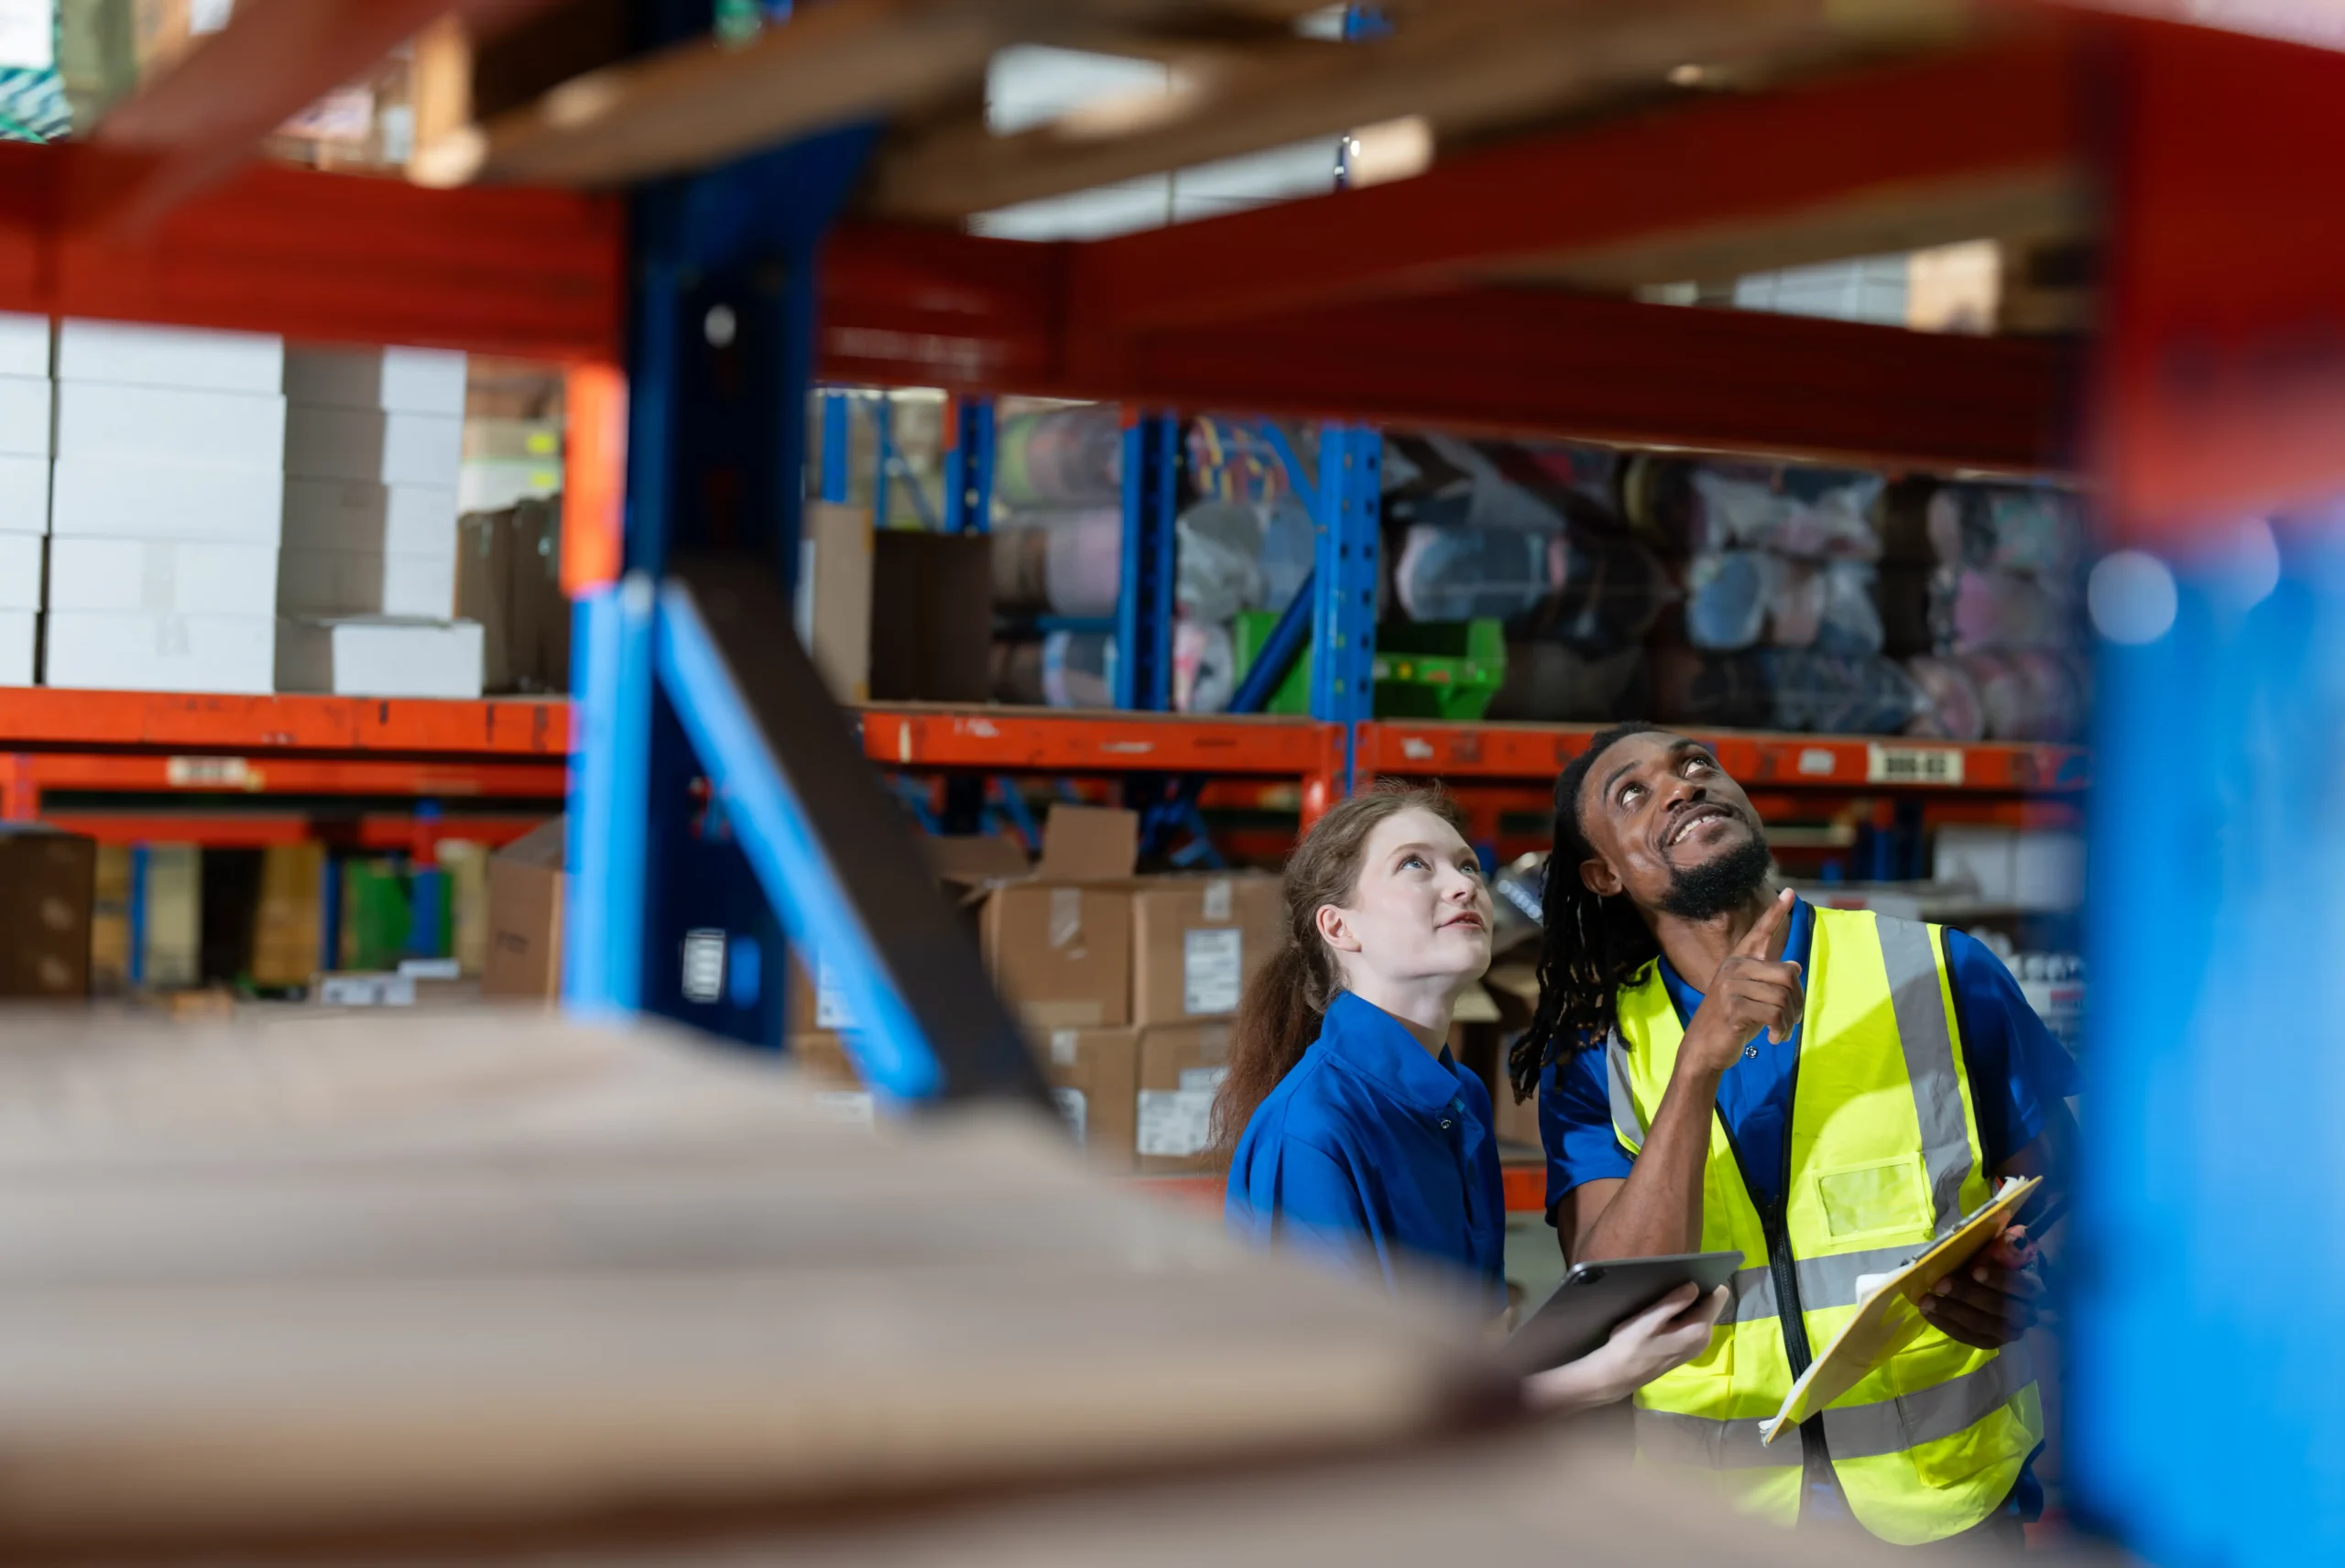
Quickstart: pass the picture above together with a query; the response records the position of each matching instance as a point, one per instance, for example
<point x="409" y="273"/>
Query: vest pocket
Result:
<point x="1875" y="1198"/>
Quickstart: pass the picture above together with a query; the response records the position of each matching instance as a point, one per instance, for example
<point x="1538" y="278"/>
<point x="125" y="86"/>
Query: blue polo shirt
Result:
<point x="1373" y="1153"/>
<point x="2015" y="1066"/>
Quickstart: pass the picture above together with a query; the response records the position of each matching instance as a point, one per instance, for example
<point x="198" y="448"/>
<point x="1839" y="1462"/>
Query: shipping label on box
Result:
<point x="1197" y="940"/>
<point x="1180" y="1070"/>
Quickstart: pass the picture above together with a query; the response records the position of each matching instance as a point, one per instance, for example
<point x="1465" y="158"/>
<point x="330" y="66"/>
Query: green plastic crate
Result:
<point x="1424" y="670"/>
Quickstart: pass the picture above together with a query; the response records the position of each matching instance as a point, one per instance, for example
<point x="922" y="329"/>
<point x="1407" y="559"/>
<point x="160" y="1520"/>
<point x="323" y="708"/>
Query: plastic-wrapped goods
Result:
<point x="1657" y="501"/>
<point x="1809" y="513"/>
<point x="1059" y="456"/>
<point x="1950" y="707"/>
<point x="1550" y="683"/>
<point x="1232" y="460"/>
<point x="2032" y="530"/>
<point x="1204" y="666"/>
<point x="1727" y="596"/>
<point x="1847" y="621"/>
<point x="1590" y="470"/>
<point x="1290" y="552"/>
<point x="1981" y="610"/>
<point x="1610" y="590"/>
<point x="1069" y="562"/>
<point x="1460" y="574"/>
<point x="1441" y="479"/>
<point x="1063" y="670"/>
<point x="1218" y="561"/>
<point x="1710" y="690"/>
<point x="1829" y="694"/>
<point x="2029" y="695"/>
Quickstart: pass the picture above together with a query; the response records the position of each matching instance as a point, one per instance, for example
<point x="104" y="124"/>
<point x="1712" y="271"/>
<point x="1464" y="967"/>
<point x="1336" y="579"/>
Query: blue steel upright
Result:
<point x="1346" y="514"/>
<point x="968" y="468"/>
<point x="1151" y="466"/>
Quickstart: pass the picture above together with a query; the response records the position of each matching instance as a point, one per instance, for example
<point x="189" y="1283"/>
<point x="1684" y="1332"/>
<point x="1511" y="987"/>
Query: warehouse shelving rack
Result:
<point x="2214" y="390"/>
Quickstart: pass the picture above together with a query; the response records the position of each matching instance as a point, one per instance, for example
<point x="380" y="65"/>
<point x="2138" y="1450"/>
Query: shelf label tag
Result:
<point x="211" y="773"/>
<point x="1913" y="764"/>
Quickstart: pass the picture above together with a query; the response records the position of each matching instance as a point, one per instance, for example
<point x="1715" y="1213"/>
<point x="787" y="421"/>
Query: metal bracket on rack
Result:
<point x="968" y="467"/>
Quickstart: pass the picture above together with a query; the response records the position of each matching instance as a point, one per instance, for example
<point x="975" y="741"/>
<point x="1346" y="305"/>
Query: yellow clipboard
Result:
<point x="1886" y="1320"/>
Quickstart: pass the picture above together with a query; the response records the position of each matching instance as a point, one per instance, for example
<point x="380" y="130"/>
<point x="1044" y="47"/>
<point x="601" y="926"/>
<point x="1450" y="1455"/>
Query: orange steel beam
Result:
<point x="1768" y="761"/>
<point x="2000" y="115"/>
<point x="524" y="779"/>
<point x="256" y="830"/>
<point x="1040" y="740"/>
<point x="209" y="723"/>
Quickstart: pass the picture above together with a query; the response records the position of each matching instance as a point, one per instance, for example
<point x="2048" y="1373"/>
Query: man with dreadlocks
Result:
<point x="1824" y="1090"/>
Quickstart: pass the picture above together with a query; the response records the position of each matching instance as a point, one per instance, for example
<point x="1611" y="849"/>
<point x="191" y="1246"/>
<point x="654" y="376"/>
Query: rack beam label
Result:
<point x="1913" y="764"/>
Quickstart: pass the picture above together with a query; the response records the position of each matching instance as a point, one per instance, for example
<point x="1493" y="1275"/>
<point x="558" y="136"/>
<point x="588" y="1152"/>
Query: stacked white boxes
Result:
<point x="164" y="510"/>
<point x="367" y="582"/>
<point x="25" y="425"/>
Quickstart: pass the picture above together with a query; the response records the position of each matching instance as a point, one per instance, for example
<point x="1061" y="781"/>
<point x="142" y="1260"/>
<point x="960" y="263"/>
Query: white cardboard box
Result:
<point x="367" y="583"/>
<point x="24" y="415"/>
<point x="24" y="345"/>
<point x="354" y="513"/>
<point x="379" y="657"/>
<point x="414" y="380"/>
<point x="491" y="484"/>
<point x="24" y="494"/>
<point x="189" y="576"/>
<point x="19" y="638"/>
<point x="123" y="499"/>
<point x="136" y="354"/>
<point x="165" y="424"/>
<point x="20" y="570"/>
<point x="159" y="653"/>
<point x="370" y="444"/>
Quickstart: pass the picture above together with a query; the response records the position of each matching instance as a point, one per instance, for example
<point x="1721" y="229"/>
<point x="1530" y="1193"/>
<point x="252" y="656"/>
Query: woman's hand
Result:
<point x="1669" y="1333"/>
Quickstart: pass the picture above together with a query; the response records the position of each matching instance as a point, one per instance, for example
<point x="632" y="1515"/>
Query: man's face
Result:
<point x="1670" y="829"/>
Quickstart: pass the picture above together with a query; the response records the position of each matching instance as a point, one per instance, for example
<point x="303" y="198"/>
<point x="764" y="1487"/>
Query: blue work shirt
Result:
<point x="2015" y="1068"/>
<point x="1374" y="1153"/>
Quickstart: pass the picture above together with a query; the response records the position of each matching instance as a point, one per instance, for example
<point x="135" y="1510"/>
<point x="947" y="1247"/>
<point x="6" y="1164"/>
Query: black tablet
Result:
<point x="1580" y="1314"/>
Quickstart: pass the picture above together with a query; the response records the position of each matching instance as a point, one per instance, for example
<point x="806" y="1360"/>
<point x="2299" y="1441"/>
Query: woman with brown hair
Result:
<point x="1356" y="1136"/>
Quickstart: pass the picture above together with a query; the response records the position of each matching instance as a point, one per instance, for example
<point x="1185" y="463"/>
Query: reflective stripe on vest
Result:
<point x="1883" y="1157"/>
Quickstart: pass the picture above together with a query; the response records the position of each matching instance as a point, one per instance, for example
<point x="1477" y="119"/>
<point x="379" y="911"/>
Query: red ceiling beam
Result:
<point x="1998" y="117"/>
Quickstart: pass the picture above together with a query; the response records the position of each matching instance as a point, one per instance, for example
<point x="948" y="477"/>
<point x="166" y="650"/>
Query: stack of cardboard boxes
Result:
<point x="373" y="440"/>
<point x="23" y="489"/>
<point x="165" y="509"/>
<point x="1127" y="984"/>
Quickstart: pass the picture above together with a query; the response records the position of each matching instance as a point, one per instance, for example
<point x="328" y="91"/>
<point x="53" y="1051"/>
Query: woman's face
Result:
<point x="1421" y="911"/>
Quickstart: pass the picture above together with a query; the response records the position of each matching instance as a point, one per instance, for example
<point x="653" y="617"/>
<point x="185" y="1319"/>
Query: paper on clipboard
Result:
<point x="1886" y="1320"/>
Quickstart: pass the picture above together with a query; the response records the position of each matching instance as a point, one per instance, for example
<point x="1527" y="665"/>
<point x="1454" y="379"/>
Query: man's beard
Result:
<point x="1716" y="886"/>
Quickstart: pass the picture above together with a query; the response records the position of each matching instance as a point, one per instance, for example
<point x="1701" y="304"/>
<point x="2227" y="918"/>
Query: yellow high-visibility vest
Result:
<point x="1883" y="1158"/>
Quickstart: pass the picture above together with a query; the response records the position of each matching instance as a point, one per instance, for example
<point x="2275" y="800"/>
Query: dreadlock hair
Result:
<point x="1279" y="1016"/>
<point x="1593" y="945"/>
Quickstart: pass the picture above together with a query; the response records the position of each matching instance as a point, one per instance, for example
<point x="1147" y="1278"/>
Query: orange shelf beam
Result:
<point x="258" y="830"/>
<point x="1053" y="741"/>
<point x="47" y="717"/>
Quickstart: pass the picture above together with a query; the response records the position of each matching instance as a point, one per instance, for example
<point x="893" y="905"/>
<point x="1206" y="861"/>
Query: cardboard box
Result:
<point x="1180" y="1068"/>
<point x="289" y="915"/>
<point x="130" y="576"/>
<point x="491" y="484"/>
<point x="47" y="893"/>
<point x="1058" y="943"/>
<point x="835" y="587"/>
<point x="24" y="415"/>
<point x="174" y="916"/>
<point x="526" y="888"/>
<point x="508" y="578"/>
<point x="358" y="514"/>
<point x="1197" y="941"/>
<point x="931" y="617"/>
<point x="158" y="652"/>
<point x="367" y="583"/>
<point x="1515" y="1123"/>
<point x="117" y="498"/>
<point x="379" y="655"/>
<point x="24" y="494"/>
<point x="19" y="646"/>
<point x="20" y="565"/>
<point x="166" y="424"/>
<point x="411" y="380"/>
<point x="373" y="445"/>
<point x="24" y="345"/>
<point x="136" y="354"/>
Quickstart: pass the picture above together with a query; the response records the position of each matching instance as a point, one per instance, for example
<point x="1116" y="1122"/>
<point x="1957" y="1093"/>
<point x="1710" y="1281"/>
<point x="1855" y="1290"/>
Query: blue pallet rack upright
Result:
<point x="721" y="805"/>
